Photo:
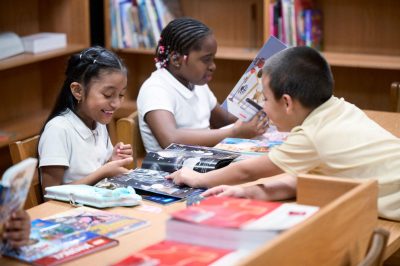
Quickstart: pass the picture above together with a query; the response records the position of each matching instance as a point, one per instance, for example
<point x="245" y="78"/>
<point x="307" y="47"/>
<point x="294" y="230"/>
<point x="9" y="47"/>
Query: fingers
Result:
<point x="215" y="191"/>
<point x="17" y="229"/>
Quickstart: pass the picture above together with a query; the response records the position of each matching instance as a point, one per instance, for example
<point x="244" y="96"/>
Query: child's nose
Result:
<point x="212" y="67"/>
<point x="116" y="103"/>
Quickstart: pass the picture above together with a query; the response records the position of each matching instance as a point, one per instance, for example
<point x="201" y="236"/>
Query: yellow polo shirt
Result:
<point x="338" y="139"/>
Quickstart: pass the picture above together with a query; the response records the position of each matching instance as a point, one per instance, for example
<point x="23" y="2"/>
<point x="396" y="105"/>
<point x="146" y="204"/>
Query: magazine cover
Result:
<point x="153" y="181"/>
<point x="246" y="98"/>
<point x="54" y="243"/>
<point x="97" y="221"/>
<point x="14" y="187"/>
<point x="247" y="146"/>
<point x="199" y="158"/>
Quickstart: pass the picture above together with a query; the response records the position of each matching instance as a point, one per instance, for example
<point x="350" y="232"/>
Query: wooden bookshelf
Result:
<point x="361" y="40"/>
<point x="30" y="82"/>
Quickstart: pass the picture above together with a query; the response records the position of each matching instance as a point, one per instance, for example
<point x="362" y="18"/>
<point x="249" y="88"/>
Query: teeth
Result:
<point x="109" y="112"/>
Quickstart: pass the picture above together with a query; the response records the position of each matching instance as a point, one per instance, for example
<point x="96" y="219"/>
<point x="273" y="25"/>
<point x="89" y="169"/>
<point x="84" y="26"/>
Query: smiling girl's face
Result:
<point x="103" y="97"/>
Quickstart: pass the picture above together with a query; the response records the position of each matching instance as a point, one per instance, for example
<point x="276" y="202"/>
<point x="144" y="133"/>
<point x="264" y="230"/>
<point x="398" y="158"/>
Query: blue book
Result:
<point x="246" y="98"/>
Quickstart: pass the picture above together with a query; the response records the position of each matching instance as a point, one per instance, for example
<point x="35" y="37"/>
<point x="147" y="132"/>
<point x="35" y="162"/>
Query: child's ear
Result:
<point x="175" y="59"/>
<point x="76" y="90"/>
<point x="288" y="102"/>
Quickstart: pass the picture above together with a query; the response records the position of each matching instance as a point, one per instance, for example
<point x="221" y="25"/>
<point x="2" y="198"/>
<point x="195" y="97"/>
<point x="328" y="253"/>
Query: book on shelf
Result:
<point x="178" y="253"/>
<point x="246" y="98"/>
<point x="157" y="165"/>
<point x="234" y="223"/>
<point x="44" y="41"/>
<point x="98" y="221"/>
<point x="55" y="243"/>
<point x="14" y="188"/>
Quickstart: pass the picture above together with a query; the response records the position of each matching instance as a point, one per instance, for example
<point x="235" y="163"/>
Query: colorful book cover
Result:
<point x="14" y="188"/>
<point x="54" y="243"/>
<point x="246" y="214"/>
<point x="247" y="146"/>
<point x="175" y="253"/>
<point x="99" y="222"/>
<point x="246" y="98"/>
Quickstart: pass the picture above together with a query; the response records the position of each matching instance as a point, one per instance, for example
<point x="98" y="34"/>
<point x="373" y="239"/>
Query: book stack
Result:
<point x="220" y="231"/>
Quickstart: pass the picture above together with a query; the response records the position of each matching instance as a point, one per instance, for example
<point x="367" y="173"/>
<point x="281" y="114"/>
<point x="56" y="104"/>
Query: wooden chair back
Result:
<point x="388" y="120"/>
<point x="395" y="96"/>
<point x="129" y="133"/>
<point x="376" y="250"/>
<point x="20" y="150"/>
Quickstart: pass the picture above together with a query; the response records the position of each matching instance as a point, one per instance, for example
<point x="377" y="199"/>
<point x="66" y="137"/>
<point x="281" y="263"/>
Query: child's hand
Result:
<point x="225" y="191"/>
<point x="116" y="167"/>
<point x="185" y="176"/>
<point x="258" y="125"/>
<point x="121" y="151"/>
<point x="17" y="229"/>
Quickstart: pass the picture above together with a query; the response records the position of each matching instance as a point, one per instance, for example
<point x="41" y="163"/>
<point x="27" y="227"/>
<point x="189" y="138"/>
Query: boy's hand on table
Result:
<point x="225" y="191"/>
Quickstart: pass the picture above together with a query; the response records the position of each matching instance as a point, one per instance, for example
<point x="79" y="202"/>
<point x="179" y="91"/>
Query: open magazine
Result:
<point x="156" y="165"/>
<point x="246" y="98"/>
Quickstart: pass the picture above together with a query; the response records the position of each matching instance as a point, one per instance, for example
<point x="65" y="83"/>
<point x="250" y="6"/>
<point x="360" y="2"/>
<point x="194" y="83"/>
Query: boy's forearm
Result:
<point x="281" y="188"/>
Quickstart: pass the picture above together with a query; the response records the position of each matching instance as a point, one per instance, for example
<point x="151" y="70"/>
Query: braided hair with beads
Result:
<point x="181" y="35"/>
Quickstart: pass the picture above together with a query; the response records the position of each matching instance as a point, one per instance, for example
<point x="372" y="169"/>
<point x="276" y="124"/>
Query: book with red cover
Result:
<point x="55" y="243"/>
<point x="235" y="222"/>
<point x="178" y="253"/>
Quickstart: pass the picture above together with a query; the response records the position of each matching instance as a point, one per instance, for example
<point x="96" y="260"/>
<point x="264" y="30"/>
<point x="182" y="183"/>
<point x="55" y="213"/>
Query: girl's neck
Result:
<point x="183" y="81"/>
<point x="90" y="123"/>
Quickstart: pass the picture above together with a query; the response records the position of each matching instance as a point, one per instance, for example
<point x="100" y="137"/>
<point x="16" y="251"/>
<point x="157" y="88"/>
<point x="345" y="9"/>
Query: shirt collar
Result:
<point x="81" y="127"/>
<point x="174" y="83"/>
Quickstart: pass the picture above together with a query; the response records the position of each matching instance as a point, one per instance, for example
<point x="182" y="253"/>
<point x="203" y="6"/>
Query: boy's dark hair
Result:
<point x="83" y="68"/>
<point x="302" y="73"/>
<point x="181" y="35"/>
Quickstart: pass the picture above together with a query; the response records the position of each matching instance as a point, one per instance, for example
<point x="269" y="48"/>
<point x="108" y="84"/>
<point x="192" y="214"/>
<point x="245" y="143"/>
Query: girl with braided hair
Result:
<point x="74" y="145"/>
<point x="175" y="104"/>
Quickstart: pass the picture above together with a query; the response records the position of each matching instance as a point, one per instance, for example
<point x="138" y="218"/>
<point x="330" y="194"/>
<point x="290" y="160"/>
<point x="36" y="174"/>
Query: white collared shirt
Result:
<point x="162" y="91"/>
<point x="67" y="141"/>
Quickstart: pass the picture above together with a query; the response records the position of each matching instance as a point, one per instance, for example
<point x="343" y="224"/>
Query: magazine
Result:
<point x="14" y="187"/>
<point x="246" y="98"/>
<point x="247" y="146"/>
<point x="156" y="165"/>
<point x="55" y="243"/>
<point x="97" y="221"/>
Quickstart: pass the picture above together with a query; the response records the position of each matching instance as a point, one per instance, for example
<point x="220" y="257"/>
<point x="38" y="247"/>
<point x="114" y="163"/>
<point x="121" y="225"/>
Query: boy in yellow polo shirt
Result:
<point x="328" y="136"/>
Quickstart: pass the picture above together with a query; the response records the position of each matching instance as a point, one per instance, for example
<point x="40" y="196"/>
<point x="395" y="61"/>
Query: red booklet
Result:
<point x="175" y="253"/>
<point x="235" y="223"/>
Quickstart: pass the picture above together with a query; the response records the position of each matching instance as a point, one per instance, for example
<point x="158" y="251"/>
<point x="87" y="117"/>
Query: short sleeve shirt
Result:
<point x="338" y="139"/>
<point x="162" y="91"/>
<point x="67" y="141"/>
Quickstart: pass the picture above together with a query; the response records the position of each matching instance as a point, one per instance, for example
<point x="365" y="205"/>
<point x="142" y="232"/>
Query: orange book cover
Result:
<point x="174" y="253"/>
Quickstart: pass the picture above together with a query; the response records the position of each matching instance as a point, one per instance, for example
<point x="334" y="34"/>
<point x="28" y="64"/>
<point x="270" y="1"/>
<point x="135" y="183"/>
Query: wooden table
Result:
<point x="128" y="243"/>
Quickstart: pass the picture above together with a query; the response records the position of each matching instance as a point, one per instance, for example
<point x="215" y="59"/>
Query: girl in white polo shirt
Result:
<point x="74" y="146"/>
<point x="175" y="104"/>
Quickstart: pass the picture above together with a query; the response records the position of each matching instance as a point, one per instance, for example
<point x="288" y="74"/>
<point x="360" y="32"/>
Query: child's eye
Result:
<point x="122" y="96"/>
<point x="107" y="95"/>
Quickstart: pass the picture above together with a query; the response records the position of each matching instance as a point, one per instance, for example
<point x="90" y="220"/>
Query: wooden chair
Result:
<point x="388" y="120"/>
<point x="395" y="96"/>
<point x="376" y="250"/>
<point x="19" y="151"/>
<point x="129" y="133"/>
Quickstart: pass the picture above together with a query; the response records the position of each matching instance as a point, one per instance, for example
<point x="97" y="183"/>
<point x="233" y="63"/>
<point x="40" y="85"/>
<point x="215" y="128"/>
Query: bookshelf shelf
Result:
<point x="26" y="58"/>
<point x="30" y="82"/>
<point x="363" y="60"/>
